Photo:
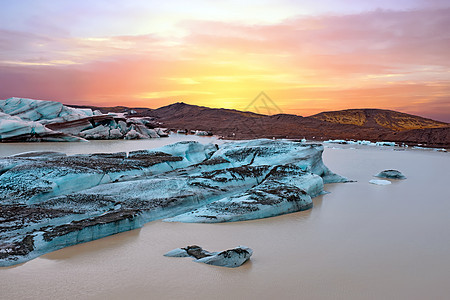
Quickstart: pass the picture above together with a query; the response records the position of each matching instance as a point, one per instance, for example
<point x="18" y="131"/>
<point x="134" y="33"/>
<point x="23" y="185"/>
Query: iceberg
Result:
<point x="202" y="133"/>
<point x="50" y="200"/>
<point x="337" y="142"/>
<point x="387" y="144"/>
<point x="379" y="182"/>
<point x="230" y="258"/>
<point x="285" y="189"/>
<point x="391" y="174"/>
<point x="11" y="126"/>
<point x="15" y="129"/>
<point x="38" y="120"/>
<point x="41" y="110"/>
<point x="361" y="142"/>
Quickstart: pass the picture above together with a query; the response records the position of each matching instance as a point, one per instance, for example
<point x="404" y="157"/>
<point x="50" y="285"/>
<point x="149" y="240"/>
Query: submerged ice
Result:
<point x="379" y="182"/>
<point x="50" y="200"/>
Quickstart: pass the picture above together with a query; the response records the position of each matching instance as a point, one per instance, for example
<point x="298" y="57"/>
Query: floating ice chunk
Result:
<point x="178" y="252"/>
<point x="147" y="131"/>
<point x="115" y="134"/>
<point x="202" y="133"/>
<point x="336" y="142"/>
<point x="361" y="142"/>
<point x="230" y="258"/>
<point x="162" y="132"/>
<point x="97" y="133"/>
<point x="388" y="144"/>
<point x="380" y="182"/>
<point x="38" y="120"/>
<point x="11" y="126"/>
<point x="36" y="110"/>
<point x="15" y="129"/>
<point x="133" y="134"/>
<point x="391" y="174"/>
<point x="364" y="142"/>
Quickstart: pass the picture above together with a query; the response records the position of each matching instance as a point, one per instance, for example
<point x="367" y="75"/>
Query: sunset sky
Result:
<point x="308" y="56"/>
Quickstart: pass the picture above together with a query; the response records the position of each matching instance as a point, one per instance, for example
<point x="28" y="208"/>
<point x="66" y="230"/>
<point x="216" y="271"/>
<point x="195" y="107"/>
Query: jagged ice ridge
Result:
<point x="50" y="200"/>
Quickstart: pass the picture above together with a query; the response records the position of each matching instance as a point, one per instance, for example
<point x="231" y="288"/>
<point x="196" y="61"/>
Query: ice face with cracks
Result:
<point x="29" y="120"/>
<point x="230" y="258"/>
<point x="50" y="200"/>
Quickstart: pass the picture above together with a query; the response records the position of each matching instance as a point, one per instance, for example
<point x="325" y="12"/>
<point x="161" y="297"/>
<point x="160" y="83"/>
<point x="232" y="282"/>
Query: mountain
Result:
<point x="358" y="124"/>
<point x="181" y="115"/>
<point x="389" y="119"/>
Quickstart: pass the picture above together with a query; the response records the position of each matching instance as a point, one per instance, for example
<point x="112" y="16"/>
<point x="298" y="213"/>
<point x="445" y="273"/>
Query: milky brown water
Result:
<point x="361" y="241"/>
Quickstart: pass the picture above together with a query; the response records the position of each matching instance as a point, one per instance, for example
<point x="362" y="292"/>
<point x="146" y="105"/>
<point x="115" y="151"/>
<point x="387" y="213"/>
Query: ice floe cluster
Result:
<point x="38" y="120"/>
<point x="361" y="142"/>
<point x="382" y="144"/>
<point x="50" y="200"/>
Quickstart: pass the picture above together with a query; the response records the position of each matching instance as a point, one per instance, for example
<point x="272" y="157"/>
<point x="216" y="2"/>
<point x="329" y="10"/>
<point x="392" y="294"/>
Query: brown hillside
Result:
<point x="378" y="117"/>
<point x="430" y="136"/>
<point x="357" y="124"/>
<point x="242" y="125"/>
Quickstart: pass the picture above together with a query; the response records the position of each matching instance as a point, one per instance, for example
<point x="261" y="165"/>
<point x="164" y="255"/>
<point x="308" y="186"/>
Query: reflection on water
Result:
<point x="361" y="241"/>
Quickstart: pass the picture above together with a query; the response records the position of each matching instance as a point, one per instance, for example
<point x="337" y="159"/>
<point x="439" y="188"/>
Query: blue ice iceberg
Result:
<point x="38" y="120"/>
<point x="391" y="174"/>
<point x="285" y="189"/>
<point x="51" y="200"/>
<point x="230" y="258"/>
<point x="379" y="182"/>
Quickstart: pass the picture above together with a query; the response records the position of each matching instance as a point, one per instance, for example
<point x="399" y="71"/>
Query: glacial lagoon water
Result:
<point x="361" y="241"/>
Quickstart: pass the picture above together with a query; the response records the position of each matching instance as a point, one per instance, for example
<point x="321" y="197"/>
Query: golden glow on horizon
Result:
<point x="305" y="64"/>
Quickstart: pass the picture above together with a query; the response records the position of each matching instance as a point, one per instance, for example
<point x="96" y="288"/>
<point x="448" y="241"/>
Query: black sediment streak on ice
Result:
<point x="61" y="200"/>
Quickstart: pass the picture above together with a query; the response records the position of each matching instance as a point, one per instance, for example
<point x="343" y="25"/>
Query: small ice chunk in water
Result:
<point x="380" y="182"/>
<point x="391" y="174"/>
<point x="230" y="258"/>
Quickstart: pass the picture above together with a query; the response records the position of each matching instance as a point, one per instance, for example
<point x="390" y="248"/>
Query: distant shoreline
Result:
<point x="28" y="120"/>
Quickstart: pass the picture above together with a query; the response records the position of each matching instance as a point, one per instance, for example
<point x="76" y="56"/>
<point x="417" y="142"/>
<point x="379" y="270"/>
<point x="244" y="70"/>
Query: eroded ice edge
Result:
<point x="230" y="258"/>
<point x="50" y="200"/>
<point x="32" y="120"/>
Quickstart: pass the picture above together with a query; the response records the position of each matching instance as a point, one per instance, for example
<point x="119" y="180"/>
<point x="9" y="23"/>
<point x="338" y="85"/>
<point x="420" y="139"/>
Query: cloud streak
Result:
<point x="382" y="58"/>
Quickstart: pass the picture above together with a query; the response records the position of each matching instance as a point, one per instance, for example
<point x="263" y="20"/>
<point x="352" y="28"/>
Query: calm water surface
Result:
<point x="361" y="241"/>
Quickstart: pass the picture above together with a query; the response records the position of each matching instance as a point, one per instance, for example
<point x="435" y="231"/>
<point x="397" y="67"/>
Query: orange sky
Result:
<point x="306" y="61"/>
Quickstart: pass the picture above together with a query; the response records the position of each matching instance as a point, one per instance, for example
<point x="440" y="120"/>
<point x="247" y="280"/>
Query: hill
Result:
<point x="368" y="124"/>
<point x="389" y="119"/>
